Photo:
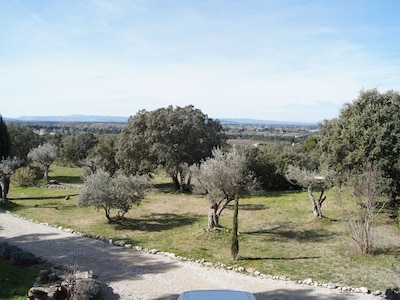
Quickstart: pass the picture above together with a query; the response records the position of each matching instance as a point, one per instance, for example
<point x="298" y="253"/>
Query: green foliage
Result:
<point x="270" y="163"/>
<point x="77" y="148"/>
<point x="23" y="139"/>
<point x="5" y="143"/>
<point x="23" y="176"/>
<point x="170" y="138"/>
<point x="120" y="192"/>
<point x="367" y="131"/>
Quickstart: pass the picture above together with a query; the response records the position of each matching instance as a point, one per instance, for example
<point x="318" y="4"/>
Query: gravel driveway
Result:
<point x="129" y="274"/>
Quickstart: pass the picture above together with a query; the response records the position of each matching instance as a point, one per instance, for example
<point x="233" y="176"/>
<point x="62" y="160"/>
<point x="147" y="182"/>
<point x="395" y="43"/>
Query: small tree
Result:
<point x="362" y="208"/>
<point x="312" y="181"/>
<point x="45" y="155"/>
<point x="120" y="192"/>
<point x="223" y="177"/>
<point x="7" y="167"/>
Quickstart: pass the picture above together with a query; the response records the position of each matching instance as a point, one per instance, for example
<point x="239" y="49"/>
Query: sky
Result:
<point x="281" y="60"/>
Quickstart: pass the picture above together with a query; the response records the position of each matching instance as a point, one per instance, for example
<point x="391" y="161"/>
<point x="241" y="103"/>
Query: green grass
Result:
<point x="278" y="233"/>
<point x="15" y="281"/>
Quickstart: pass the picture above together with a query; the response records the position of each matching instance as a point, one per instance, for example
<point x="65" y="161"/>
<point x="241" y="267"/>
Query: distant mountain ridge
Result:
<point x="119" y="119"/>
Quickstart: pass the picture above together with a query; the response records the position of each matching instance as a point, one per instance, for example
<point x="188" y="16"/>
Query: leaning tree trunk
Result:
<point x="213" y="218"/>
<point x="316" y="203"/>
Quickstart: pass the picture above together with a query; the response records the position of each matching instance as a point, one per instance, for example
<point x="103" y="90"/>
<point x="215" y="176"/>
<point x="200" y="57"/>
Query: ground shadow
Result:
<point x="44" y="197"/>
<point x="285" y="232"/>
<point x="156" y="222"/>
<point x="165" y="188"/>
<point x="279" y="258"/>
<point x="14" y="207"/>
<point x="68" y="179"/>
<point x="252" y="207"/>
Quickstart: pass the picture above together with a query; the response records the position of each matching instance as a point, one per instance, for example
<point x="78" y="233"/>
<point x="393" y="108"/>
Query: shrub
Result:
<point x="87" y="289"/>
<point x="16" y="256"/>
<point x="23" y="176"/>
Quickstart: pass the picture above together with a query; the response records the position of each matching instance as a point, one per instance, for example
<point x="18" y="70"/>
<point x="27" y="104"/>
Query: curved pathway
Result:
<point x="129" y="274"/>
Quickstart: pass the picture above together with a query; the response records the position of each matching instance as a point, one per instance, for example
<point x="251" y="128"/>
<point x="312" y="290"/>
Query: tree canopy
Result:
<point x="366" y="131"/>
<point x="5" y="144"/>
<point x="222" y="177"/>
<point x="45" y="155"/>
<point x="170" y="138"/>
<point x="108" y="192"/>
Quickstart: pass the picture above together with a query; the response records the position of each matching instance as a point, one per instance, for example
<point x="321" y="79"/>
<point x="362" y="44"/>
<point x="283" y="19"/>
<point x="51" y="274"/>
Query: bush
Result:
<point x="16" y="256"/>
<point x="87" y="289"/>
<point x="23" y="176"/>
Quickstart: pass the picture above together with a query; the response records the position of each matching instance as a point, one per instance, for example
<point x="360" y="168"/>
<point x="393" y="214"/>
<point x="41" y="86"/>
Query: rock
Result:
<point x="364" y="290"/>
<point x="308" y="281"/>
<point x="331" y="286"/>
<point x="119" y="243"/>
<point x="377" y="293"/>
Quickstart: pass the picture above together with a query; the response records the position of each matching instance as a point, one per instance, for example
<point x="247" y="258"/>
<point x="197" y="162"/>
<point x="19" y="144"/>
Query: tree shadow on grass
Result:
<point x="68" y="179"/>
<point x="279" y="258"/>
<point x="286" y="233"/>
<point x="156" y="222"/>
<point x="44" y="197"/>
<point x="252" y="207"/>
<point x="14" y="207"/>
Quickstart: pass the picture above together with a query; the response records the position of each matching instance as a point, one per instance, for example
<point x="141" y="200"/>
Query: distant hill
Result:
<point x="116" y="119"/>
<point x="72" y="118"/>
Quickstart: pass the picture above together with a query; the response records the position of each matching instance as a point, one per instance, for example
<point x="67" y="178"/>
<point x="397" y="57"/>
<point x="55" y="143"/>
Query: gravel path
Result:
<point x="129" y="274"/>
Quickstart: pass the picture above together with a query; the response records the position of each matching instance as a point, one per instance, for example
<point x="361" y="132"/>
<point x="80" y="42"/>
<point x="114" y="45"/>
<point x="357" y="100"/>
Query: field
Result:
<point x="278" y="233"/>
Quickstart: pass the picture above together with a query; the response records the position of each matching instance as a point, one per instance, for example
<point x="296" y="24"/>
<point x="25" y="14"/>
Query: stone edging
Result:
<point x="201" y="262"/>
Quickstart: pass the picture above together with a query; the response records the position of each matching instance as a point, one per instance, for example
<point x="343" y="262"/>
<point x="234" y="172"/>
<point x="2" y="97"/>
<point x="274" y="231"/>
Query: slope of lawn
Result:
<point x="278" y="233"/>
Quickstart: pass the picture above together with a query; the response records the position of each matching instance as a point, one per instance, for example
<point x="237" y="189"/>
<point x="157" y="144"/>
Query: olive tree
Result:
<point x="118" y="192"/>
<point x="45" y="155"/>
<point x="313" y="181"/>
<point x="359" y="211"/>
<point x="222" y="177"/>
<point x="7" y="167"/>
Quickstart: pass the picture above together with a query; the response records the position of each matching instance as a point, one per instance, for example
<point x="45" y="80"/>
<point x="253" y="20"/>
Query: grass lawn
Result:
<point x="278" y="233"/>
<point x="15" y="281"/>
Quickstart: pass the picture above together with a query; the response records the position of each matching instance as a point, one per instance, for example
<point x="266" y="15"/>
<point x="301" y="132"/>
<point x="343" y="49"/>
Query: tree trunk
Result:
<point x="175" y="180"/>
<point x="4" y="187"/>
<point x="213" y="218"/>
<point x="235" y="241"/>
<point x="317" y="204"/>
<point x="46" y="174"/>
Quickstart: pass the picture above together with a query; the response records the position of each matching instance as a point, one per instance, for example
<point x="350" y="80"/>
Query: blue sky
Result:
<point x="282" y="60"/>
